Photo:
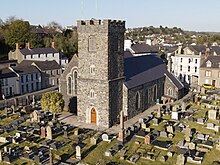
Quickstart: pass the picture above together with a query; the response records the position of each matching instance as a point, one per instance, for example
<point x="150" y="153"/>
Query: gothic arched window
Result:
<point x="69" y="86"/>
<point x="75" y="81"/>
<point x="137" y="101"/>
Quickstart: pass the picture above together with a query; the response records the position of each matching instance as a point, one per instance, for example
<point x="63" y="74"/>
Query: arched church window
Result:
<point x="75" y="81"/>
<point x="137" y="101"/>
<point x="170" y="91"/>
<point x="69" y="86"/>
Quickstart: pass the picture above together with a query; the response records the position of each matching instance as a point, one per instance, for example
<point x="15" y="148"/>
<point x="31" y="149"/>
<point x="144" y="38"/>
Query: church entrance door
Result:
<point x="93" y="116"/>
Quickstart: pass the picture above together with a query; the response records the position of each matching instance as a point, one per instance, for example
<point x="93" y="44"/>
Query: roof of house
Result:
<point x="215" y="49"/>
<point x="176" y="82"/>
<point x="198" y="48"/>
<point x="144" y="48"/>
<point x="6" y="73"/>
<point x="46" y="65"/>
<point x="171" y="49"/>
<point x="215" y="60"/>
<point x="25" y="67"/>
<point x="142" y="69"/>
<point x="27" y="51"/>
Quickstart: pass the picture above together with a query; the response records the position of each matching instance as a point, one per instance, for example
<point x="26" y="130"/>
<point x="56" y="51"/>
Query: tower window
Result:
<point x="92" y="44"/>
<point x="75" y="81"/>
<point x="92" y="69"/>
<point x="92" y="94"/>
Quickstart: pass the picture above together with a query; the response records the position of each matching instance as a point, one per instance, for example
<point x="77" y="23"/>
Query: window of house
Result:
<point x="92" y="94"/>
<point x="22" y="88"/>
<point x="69" y="85"/>
<point x="181" y="59"/>
<point x="32" y="77"/>
<point x="22" y="79"/>
<point x="36" y="76"/>
<point x="27" y="88"/>
<point x="188" y="68"/>
<point x="46" y="55"/>
<point x="155" y="93"/>
<point x="196" y="60"/>
<point x="31" y="56"/>
<point x="57" y="71"/>
<point x="208" y="73"/>
<point x="38" y="55"/>
<point x="137" y="101"/>
<point x="208" y="64"/>
<point x="195" y="69"/>
<point x="37" y="85"/>
<point x="189" y="60"/>
<point x="181" y="67"/>
<point x="51" y="72"/>
<point x="92" y="44"/>
<point x="146" y="97"/>
<point x="32" y="86"/>
<point x="26" y="78"/>
<point x="92" y="69"/>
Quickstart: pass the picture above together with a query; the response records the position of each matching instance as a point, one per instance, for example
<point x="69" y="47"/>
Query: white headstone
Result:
<point x="78" y="152"/>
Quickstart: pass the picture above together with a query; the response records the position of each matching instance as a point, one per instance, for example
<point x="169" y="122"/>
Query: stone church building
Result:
<point x="102" y="79"/>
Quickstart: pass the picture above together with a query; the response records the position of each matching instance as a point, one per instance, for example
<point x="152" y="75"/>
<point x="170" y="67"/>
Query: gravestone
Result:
<point x="212" y="114"/>
<point x="65" y="134"/>
<point x="163" y="134"/>
<point x="187" y="134"/>
<point x="93" y="140"/>
<point x="78" y="152"/>
<point x="200" y="120"/>
<point x="175" y="115"/>
<point x="42" y="132"/>
<point x="192" y="146"/>
<point x="170" y="128"/>
<point x="108" y="153"/>
<point x="210" y="125"/>
<point x="147" y="139"/>
<point x="158" y="111"/>
<point x="105" y="137"/>
<point x="180" y="159"/>
<point x="155" y="121"/>
<point x="183" y="106"/>
<point x="49" y="132"/>
<point x="76" y="132"/>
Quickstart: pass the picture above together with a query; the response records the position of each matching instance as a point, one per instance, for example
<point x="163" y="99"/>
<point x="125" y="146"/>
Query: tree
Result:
<point x="52" y="102"/>
<point x="18" y="32"/>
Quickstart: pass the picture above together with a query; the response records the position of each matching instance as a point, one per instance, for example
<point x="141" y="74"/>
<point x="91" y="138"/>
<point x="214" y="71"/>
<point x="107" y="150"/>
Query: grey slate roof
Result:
<point x="47" y="65"/>
<point x="27" y="51"/>
<point x="198" y="48"/>
<point x="215" y="60"/>
<point x="215" y="49"/>
<point x="6" y="73"/>
<point x="25" y="67"/>
<point x="142" y="69"/>
<point x="176" y="82"/>
<point x="144" y="48"/>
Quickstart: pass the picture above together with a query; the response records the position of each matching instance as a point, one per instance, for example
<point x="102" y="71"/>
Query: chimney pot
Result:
<point x="17" y="46"/>
<point x="53" y="45"/>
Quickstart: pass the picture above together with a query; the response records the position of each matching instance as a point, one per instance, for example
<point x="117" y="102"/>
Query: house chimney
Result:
<point x="53" y="44"/>
<point x="17" y="46"/>
<point x="28" y="45"/>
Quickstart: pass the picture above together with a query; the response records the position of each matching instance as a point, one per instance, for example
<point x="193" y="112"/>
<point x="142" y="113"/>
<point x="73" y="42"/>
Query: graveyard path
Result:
<point x="72" y="120"/>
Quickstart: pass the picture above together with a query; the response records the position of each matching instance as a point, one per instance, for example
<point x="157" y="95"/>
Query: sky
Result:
<point x="196" y="15"/>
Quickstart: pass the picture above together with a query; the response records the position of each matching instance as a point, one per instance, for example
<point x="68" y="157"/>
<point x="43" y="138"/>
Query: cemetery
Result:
<point x="186" y="132"/>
